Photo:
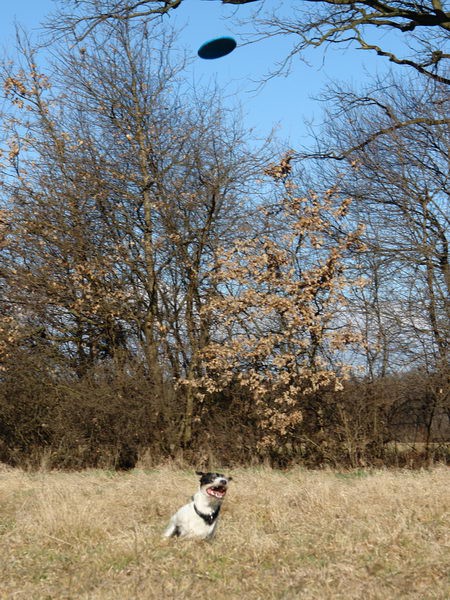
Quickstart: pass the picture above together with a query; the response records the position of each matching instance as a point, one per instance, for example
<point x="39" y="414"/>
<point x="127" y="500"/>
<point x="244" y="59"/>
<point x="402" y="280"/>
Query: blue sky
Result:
<point x="284" y="102"/>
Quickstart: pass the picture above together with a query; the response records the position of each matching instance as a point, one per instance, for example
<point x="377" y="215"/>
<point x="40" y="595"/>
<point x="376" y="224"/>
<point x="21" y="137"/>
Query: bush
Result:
<point x="113" y="416"/>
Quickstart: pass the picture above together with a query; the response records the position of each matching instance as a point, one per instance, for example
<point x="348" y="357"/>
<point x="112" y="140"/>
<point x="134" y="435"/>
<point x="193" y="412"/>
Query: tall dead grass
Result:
<point x="296" y="534"/>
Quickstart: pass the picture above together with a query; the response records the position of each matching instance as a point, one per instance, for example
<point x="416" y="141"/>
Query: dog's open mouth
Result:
<point x="218" y="491"/>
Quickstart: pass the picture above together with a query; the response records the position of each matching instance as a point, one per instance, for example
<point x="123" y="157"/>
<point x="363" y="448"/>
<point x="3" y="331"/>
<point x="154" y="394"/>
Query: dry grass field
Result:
<point x="295" y="534"/>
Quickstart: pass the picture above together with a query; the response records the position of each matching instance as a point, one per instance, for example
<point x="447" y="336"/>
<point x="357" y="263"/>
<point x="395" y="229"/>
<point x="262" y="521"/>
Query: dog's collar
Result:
<point x="208" y="518"/>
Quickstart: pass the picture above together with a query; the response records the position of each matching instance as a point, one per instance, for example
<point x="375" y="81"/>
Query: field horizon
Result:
<point x="283" y="534"/>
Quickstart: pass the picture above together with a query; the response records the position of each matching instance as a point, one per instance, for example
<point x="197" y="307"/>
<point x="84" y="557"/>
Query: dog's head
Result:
<point x="214" y="485"/>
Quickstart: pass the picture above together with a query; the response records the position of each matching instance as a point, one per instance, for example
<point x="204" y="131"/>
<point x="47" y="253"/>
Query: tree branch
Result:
<point x="371" y="138"/>
<point x="435" y="58"/>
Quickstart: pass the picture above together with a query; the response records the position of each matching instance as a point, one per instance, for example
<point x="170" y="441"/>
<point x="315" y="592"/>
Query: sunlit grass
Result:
<point x="295" y="534"/>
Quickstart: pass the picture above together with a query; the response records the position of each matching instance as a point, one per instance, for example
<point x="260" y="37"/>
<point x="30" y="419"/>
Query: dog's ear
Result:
<point x="200" y="473"/>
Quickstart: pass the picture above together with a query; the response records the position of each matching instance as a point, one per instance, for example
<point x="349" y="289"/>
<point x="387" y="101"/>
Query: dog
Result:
<point x="198" y="518"/>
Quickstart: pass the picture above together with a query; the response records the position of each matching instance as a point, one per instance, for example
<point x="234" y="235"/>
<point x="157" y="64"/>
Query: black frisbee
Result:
<point x="217" y="48"/>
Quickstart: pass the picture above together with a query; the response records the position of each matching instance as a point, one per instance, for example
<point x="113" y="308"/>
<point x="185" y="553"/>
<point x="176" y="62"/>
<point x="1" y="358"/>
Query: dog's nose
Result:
<point x="223" y="482"/>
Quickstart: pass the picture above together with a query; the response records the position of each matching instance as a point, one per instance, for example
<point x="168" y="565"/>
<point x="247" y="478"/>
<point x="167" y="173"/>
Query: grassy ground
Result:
<point x="296" y="534"/>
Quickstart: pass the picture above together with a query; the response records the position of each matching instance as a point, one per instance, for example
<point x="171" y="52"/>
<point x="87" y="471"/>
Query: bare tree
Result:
<point x="399" y="180"/>
<point x="121" y="192"/>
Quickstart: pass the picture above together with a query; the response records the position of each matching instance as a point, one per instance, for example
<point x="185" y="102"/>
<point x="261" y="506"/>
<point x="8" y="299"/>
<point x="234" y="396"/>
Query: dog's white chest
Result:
<point x="191" y="524"/>
<point x="187" y="523"/>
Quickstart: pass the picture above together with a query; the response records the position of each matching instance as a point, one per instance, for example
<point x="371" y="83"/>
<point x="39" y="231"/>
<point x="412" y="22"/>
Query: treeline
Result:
<point x="171" y="288"/>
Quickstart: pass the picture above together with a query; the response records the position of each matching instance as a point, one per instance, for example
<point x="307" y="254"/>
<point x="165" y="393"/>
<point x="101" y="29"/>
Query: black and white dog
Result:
<point x="198" y="518"/>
